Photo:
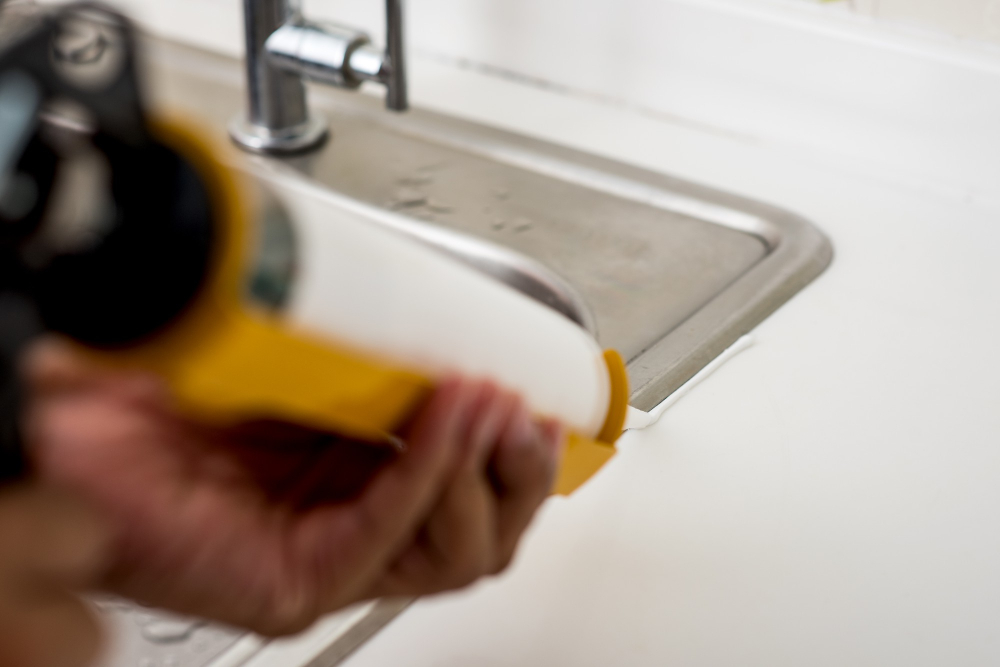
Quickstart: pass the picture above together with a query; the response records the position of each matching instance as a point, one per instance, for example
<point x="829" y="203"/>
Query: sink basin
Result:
<point x="667" y="272"/>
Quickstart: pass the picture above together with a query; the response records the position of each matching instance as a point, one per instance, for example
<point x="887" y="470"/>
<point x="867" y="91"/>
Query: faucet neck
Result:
<point x="283" y="48"/>
<point x="397" y="97"/>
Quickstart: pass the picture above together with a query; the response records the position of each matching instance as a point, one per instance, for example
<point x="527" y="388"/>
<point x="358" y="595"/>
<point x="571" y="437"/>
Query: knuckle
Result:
<point x="468" y="568"/>
<point x="91" y="640"/>
<point x="463" y="579"/>
<point x="502" y="564"/>
<point x="520" y="461"/>
<point x="465" y="575"/>
<point x="65" y="617"/>
<point x="285" y="611"/>
<point x="547" y="471"/>
<point x="280" y="624"/>
<point x="536" y="466"/>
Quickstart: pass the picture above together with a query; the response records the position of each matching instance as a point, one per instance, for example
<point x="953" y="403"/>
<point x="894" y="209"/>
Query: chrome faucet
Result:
<point x="283" y="49"/>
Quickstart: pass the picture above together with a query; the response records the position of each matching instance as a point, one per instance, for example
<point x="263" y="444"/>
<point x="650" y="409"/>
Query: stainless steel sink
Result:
<point x="668" y="272"/>
<point x="671" y="272"/>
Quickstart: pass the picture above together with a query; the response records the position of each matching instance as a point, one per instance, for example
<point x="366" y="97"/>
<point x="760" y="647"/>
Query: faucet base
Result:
<point x="258" y="139"/>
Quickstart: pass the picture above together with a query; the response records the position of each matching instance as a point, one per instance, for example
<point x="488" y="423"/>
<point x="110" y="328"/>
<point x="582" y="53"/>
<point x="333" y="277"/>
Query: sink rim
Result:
<point x="796" y="251"/>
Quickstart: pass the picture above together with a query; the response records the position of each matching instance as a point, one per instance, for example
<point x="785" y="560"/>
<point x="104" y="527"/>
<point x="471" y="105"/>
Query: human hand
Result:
<point x="49" y="545"/>
<point x="270" y="526"/>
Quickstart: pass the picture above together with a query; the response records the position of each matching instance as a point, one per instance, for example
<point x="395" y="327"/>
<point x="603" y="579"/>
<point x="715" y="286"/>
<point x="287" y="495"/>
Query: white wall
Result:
<point x="916" y="107"/>
<point x="974" y="20"/>
<point x="968" y="19"/>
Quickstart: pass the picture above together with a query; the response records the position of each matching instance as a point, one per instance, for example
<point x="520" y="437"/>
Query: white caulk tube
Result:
<point x="392" y="298"/>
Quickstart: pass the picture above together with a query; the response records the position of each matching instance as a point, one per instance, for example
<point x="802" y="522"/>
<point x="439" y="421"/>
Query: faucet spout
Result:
<point x="283" y="49"/>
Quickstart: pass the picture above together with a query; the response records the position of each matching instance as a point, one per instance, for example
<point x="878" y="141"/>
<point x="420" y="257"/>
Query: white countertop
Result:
<point x="829" y="496"/>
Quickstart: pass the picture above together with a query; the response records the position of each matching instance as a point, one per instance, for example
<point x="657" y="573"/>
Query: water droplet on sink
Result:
<point x="418" y="179"/>
<point x="143" y="618"/>
<point x="408" y="198"/>
<point x="498" y="223"/>
<point x="432" y="166"/>
<point x="110" y="605"/>
<point x="501" y="193"/>
<point x="522" y="224"/>
<point x="167" y="630"/>
<point x="170" y="661"/>
<point x="438" y="207"/>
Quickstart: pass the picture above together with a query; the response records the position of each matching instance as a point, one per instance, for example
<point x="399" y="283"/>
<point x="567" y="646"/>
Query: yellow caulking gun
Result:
<point x="253" y="311"/>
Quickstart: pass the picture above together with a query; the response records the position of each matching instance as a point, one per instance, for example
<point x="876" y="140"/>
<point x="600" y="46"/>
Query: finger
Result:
<point x="490" y="421"/>
<point x="458" y="542"/>
<point x="523" y="468"/>
<point x="459" y="537"/>
<point x="354" y="543"/>
<point x="50" y="538"/>
<point x="55" y="630"/>
<point x="339" y="471"/>
<point x="52" y="365"/>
